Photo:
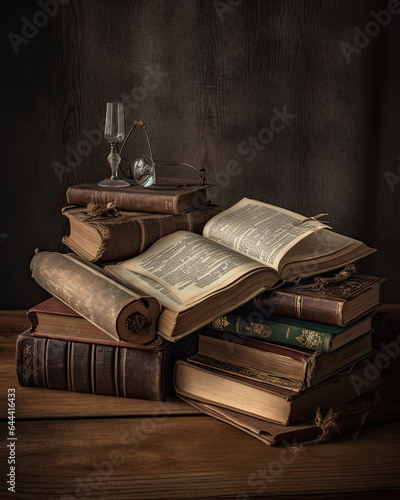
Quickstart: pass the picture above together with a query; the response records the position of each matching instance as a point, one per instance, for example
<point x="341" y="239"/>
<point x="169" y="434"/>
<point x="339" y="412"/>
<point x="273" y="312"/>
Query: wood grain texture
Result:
<point x="68" y="446"/>
<point x="223" y="81"/>
<point x="192" y="457"/>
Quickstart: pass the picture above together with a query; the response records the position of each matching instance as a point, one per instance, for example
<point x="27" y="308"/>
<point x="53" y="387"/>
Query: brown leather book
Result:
<point x="167" y="197"/>
<point x="338" y="304"/>
<point x="289" y="367"/>
<point x="132" y="371"/>
<point x="127" y="234"/>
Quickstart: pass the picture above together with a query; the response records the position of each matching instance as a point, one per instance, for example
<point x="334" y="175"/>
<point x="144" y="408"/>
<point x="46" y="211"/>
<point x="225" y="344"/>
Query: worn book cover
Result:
<point x="125" y="370"/>
<point x="309" y="335"/>
<point x="268" y="402"/>
<point x="127" y="234"/>
<point x="288" y="367"/>
<point x="324" y="300"/>
<point x="167" y="197"/>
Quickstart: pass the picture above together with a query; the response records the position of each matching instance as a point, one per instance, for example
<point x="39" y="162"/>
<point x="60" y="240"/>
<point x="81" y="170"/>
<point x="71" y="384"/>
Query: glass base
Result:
<point x="118" y="183"/>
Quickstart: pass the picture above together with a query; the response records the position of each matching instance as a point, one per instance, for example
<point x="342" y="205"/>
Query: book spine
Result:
<point x="137" y="202"/>
<point x="302" y="307"/>
<point x="91" y="368"/>
<point x="274" y="331"/>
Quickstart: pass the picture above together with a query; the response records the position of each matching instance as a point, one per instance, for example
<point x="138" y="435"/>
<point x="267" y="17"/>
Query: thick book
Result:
<point x="134" y="371"/>
<point x="121" y="311"/>
<point x="127" y="234"/>
<point x="288" y="367"/>
<point x="268" y="402"/>
<point x="335" y="303"/>
<point x="362" y="412"/>
<point x="289" y="331"/>
<point x="54" y="319"/>
<point x="163" y="198"/>
<point x="243" y="251"/>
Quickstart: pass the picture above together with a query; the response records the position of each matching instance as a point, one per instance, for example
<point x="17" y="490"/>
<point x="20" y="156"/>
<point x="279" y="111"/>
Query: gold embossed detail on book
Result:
<point x="220" y="323"/>
<point x="259" y="330"/>
<point x="27" y="363"/>
<point x="310" y="339"/>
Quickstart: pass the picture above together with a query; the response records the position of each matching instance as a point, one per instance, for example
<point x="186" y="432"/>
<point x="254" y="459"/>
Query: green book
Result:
<point x="293" y="332"/>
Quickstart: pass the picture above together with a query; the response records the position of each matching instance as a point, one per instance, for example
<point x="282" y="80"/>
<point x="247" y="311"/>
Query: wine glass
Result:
<point x="114" y="132"/>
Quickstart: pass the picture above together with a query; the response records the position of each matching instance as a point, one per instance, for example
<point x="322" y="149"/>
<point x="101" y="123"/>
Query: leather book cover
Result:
<point x="131" y="372"/>
<point x="127" y="234"/>
<point x="299" y="354"/>
<point x="49" y="306"/>
<point x="164" y="198"/>
<point x="320" y="304"/>
<point x="294" y="332"/>
<point x="80" y="367"/>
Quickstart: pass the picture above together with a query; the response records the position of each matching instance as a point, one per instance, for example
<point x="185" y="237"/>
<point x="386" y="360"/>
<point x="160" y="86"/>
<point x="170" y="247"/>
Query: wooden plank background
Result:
<point x="224" y="70"/>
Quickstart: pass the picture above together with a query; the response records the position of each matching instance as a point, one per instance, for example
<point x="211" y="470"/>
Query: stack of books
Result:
<point x="266" y="367"/>
<point x="85" y="337"/>
<point x="143" y="290"/>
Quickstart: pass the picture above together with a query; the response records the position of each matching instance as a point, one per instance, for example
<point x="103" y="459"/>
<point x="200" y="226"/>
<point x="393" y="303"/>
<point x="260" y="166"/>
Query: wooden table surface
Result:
<point x="72" y="446"/>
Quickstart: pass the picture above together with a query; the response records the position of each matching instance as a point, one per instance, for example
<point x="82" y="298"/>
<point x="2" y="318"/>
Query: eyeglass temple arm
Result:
<point x="143" y="125"/>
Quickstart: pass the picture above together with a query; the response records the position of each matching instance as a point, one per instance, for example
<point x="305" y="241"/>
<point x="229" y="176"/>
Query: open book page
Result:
<point x="186" y="267"/>
<point x="261" y="231"/>
<point x="150" y="286"/>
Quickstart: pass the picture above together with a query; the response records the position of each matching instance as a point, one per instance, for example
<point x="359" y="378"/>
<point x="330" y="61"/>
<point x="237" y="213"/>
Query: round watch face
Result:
<point x="144" y="170"/>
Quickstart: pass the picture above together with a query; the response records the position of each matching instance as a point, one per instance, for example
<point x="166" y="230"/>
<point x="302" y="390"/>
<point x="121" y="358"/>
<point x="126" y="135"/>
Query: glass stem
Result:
<point x="114" y="160"/>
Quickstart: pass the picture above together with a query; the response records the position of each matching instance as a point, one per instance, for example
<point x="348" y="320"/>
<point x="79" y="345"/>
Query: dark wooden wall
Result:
<point x="223" y="71"/>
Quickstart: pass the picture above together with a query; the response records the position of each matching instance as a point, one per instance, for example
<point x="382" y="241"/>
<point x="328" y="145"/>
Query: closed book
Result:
<point x="336" y="303"/>
<point x="132" y="371"/>
<point x="164" y="198"/>
<point x="268" y="402"/>
<point x="362" y="412"/>
<point x="127" y="234"/>
<point x="290" y="331"/>
<point x="292" y="368"/>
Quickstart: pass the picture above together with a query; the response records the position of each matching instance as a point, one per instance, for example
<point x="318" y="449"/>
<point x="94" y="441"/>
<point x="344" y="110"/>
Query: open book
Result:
<point x="244" y="250"/>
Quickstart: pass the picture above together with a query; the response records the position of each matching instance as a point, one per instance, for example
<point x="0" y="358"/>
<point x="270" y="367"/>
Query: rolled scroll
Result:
<point x="121" y="312"/>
